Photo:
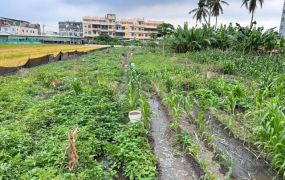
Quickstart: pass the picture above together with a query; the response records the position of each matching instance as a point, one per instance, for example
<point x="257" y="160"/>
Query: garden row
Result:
<point x="235" y="102"/>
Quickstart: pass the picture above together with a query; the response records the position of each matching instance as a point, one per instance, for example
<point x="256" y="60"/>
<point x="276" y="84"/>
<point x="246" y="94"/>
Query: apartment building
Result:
<point x="95" y="26"/>
<point x="71" y="28"/>
<point x="282" y="24"/>
<point x="138" y="29"/>
<point x="18" y="27"/>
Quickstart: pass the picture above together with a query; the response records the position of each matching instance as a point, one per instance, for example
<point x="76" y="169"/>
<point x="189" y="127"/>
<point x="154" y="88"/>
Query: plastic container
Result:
<point x="135" y="116"/>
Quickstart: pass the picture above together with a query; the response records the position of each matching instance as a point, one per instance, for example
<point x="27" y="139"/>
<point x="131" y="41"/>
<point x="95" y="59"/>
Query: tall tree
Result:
<point x="216" y="7"/>
<point x="201" y="12"/>
<point x="163" y="30"/>
<point x="251" y="5"/>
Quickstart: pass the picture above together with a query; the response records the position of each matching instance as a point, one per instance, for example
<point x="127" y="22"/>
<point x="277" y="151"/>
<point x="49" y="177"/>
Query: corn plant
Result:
<point x="270" y="133"/>
<point x="232" y="102"/>
<point x="145" y="108"/>
<point x="77" y="87"/>
<point x="187" y="104"/>
<point x="134" y="87"/>
<point x="188" y="144"/>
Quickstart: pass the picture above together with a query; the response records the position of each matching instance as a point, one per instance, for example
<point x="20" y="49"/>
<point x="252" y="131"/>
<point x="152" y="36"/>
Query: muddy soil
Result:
<point x="171" y="166"/>
<point x="187" y="126"/>
<point x="245" y="164"/>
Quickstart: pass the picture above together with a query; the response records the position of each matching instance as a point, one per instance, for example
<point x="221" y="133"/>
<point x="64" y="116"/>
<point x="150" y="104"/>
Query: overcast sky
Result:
<point x="49" y="12"/>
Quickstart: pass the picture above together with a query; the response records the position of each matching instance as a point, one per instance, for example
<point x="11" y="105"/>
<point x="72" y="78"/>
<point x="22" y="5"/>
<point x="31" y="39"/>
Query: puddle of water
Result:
<point x="245" y="164"/>
<point x="171" y="167"/>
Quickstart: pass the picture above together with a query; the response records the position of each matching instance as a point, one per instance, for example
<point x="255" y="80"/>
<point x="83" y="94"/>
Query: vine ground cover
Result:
<point x="40" y="106"/>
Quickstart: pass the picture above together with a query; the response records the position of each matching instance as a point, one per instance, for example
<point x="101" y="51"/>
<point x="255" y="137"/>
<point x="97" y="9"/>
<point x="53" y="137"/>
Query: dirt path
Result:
<point x="171" y="166"/>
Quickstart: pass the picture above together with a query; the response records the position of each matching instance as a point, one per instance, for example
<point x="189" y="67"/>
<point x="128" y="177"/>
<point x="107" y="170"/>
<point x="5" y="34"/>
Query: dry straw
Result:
<point x="72" y="151"/>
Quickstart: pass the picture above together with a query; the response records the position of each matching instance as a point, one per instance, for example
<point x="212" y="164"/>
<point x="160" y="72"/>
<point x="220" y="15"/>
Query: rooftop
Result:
<point x="9" y="19"/>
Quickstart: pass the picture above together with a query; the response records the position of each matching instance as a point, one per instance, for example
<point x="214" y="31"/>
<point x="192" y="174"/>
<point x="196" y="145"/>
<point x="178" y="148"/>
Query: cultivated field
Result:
<point x="212" y="107"/>
<point x="16" y="54"/>
<point x="203" y="115"/>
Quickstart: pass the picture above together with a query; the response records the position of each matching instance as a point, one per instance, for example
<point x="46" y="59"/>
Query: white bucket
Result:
<point x="135" y="116"/>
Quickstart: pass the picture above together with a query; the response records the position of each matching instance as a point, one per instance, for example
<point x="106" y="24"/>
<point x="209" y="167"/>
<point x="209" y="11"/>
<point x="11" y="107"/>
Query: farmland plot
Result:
<point x="41" y="106"/>
<point x="234" y="104"/>
<point x="205" y="115"/>
<point x="17" y="54"/>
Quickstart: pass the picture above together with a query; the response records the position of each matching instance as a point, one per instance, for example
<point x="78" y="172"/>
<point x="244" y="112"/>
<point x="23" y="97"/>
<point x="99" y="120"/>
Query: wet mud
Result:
<point x="171" y="166"/>
<point x="245" y="163"/>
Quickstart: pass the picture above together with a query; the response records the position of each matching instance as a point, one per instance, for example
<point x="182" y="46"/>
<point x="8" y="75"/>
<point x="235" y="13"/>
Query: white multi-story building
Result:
<point x="282" y="24"/>
<point x="18" y="27"/>
<point x="70" y="28"/>
<point x="8" y="29"/>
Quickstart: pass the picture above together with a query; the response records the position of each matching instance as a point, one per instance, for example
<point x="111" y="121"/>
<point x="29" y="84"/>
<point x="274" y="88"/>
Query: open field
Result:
<point x="16" y="54"/>
<point x="205" y="116"/>
<point x="192" y="102"/>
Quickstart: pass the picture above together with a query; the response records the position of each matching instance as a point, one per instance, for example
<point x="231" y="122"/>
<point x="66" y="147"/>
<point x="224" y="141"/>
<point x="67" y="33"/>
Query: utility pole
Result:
<point x="282" y="24"/>
<point x="44" y="29"/>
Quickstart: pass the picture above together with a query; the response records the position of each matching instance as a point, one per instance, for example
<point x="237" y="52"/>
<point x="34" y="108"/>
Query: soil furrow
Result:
<point x="245" y="165"/>
<point x="204" y="153"/>
<point x="171" y="166"/>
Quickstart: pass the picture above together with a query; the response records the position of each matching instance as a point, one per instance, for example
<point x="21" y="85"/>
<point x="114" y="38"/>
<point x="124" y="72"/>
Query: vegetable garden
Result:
<point x="209" y="111"/>
<point x="52" y="100"/>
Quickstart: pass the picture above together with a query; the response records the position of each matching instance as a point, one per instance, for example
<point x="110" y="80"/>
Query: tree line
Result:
<point x="214" y="8"/>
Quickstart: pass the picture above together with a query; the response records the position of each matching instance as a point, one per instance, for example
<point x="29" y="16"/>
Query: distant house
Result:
<point x="19" y="27"/>
<point x="70" y="28"/>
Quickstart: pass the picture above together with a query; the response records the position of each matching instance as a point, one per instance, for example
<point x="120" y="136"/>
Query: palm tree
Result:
<point x="217" y="8"/>
<point x="251" y="5"/>
<point x="201" y="12"/>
